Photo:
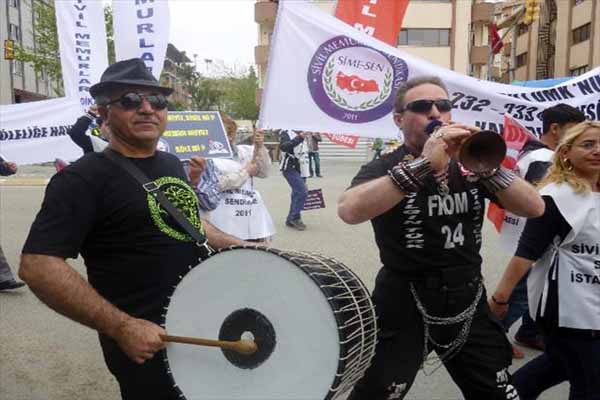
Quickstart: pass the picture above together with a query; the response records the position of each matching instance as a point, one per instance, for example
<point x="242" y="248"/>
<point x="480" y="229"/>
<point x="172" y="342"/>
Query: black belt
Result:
<point x="449" y="277"/>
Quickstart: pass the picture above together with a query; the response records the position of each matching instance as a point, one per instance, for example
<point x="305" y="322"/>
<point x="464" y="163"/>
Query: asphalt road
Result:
<point x="44" y="356"/>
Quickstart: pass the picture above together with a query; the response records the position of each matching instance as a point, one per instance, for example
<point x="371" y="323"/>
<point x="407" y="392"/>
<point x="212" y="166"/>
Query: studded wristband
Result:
<point x="498" y="180"/>
<point x="409" y="176"/>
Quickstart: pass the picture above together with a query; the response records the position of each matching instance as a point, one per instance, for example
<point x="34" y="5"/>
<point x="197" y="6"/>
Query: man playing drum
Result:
<point x="133" y="250"/>
<point x="427" y="214"/>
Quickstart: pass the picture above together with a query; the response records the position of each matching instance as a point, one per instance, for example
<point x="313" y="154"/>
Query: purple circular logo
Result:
<point x="352" y="82"/>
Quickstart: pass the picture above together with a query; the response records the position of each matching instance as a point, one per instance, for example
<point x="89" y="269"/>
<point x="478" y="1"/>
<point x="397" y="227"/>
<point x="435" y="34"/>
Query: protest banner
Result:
<point x="37" y="132"/>
<point x="343" y="140"/>
<point x="82" y="44"/>
<point x="142" y="31"/>
<point x="195" y="133"/>
<point x="313" y="54"/>
<point x="382" y="20"/>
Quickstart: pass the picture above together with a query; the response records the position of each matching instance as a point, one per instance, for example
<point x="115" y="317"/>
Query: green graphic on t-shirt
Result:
<point x="181" y="196"/>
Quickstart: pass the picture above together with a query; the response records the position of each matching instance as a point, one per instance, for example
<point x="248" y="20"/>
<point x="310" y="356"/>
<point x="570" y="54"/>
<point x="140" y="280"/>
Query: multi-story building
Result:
<point x="455" y="34"/>
<point x="18" y="81"/>
<point x="560" y="43"/>
<point x="174" y="59"/>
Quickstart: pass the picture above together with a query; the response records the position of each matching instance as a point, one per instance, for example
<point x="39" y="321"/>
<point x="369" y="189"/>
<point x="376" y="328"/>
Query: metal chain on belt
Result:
<point x="452" y="348"/>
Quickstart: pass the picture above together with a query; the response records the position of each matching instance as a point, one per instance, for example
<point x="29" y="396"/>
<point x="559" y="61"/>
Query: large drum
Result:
<point x="310" y="316"/>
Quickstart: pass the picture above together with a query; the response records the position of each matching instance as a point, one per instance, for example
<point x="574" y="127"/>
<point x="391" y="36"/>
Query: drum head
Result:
<point x="260" y="295"/>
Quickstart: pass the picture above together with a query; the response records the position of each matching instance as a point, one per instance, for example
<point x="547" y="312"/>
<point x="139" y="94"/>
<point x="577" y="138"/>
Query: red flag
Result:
<point x="495" y="39"/>
<point x="379" y="18"/>
<point x="515" y="135"/>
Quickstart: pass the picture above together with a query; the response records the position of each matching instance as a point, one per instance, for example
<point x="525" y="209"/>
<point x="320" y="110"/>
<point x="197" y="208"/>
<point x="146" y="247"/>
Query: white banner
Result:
<point x="37" y="132"/>
<point x="142" y="30"/>
<point x="82" y="43"/>
<point x="326" y="76"/>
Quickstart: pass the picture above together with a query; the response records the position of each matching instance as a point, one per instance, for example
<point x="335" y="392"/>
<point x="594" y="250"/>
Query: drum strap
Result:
<point x="151" y="188"/>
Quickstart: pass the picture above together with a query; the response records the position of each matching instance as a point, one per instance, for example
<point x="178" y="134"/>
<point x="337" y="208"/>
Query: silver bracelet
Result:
<point x="498" y="180"/>
<point x="409" y="176"/>
<point x="420" y="168"/>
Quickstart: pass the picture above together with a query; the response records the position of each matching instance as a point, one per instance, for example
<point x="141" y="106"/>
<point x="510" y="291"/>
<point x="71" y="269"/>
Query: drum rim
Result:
<point x="338" y="376"/>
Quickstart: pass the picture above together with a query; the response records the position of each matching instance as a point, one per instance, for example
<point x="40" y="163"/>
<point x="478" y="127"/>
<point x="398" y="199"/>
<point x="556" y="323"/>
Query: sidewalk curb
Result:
<point x="24" y="182"/>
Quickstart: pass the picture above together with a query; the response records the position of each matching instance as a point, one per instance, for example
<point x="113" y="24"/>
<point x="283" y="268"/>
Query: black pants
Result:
<point x="139" y="381"/>
<point x="480" y="369"/>
<point x="568" y="356"/>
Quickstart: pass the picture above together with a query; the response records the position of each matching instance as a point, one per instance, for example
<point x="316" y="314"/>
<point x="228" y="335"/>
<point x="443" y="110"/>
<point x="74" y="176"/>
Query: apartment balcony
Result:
<point x="265" y="12"/>
<point x="480" y="55"/>
<point x="482" y="13"/>
<point x="261" y="54"/>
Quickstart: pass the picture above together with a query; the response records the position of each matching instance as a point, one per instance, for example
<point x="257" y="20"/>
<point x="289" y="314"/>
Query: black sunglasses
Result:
<point x="133" y="101"/>
<point x="425" y="106"/>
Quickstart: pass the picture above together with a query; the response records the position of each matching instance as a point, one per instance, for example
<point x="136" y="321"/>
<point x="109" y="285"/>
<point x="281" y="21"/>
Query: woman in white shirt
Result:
<point x="242" y="211"/>
<point x="563" y="245"/>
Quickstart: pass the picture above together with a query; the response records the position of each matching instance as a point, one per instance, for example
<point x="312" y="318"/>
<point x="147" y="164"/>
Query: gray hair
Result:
<point x="412" y="83"/>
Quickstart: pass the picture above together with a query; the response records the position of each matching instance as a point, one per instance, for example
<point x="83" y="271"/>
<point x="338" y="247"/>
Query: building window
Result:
<point x="17" y="67"/>
<point x="424" y="37"/>
<point x="582" y="33"/>
<point x="13" y="3"/>
<point x="579" y="70"/>
<point x="14" y="32"/>
<point x="521" y="60"/>
<point x="575" y="2"/>
<point x="522" y="29"/>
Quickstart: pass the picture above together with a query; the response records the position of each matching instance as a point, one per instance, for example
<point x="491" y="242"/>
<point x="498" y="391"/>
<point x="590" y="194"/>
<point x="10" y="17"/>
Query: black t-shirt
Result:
<point x="428" y="231"/>
<point x="133" y="250"/>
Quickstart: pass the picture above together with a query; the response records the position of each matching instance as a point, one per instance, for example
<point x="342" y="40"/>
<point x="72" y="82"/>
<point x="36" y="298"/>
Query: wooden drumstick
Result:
<point x="240" y="346"/>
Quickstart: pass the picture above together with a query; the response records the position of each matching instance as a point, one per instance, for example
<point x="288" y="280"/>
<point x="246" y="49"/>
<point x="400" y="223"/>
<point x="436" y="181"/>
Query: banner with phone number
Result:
<point x="344" y="80"/>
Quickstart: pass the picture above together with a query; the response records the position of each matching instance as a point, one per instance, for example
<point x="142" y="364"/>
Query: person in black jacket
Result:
<point x="294" y="166"/>
<point x="79" y="129"/>
<point x="7" y="279"/>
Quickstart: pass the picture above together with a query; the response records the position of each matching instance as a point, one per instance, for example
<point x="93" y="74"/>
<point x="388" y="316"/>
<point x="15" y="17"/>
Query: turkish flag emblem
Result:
<point x="355" y="84"/>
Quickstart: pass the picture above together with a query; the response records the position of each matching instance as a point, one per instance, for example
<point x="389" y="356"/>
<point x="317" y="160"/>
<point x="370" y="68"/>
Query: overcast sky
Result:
<point x="214" y="29"/>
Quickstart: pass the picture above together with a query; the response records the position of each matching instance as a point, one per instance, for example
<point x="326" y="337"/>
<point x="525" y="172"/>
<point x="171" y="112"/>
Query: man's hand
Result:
<point x="11" y="166"/>
<point x="455" y="135"/>
<point x="259" y="138"/>
<point x="139" y="339"/>
<point x="252" y="168"/>
<point x="94" y="109"/>
<point x="197" y="166"/>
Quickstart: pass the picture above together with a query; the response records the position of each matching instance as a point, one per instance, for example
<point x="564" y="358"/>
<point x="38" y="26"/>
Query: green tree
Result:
<point x="45" y="56"/>
<point x="240" y="97"/>
<point x="207" y="94"/>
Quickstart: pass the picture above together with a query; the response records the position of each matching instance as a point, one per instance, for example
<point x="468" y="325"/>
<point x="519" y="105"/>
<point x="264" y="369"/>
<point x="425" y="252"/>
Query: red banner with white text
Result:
<point x="344" y="140"/>
<point x="381" y="19"/>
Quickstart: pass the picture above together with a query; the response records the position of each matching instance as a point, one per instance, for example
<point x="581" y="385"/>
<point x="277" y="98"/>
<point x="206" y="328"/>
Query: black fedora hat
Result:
<point x="127" y="72"/>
